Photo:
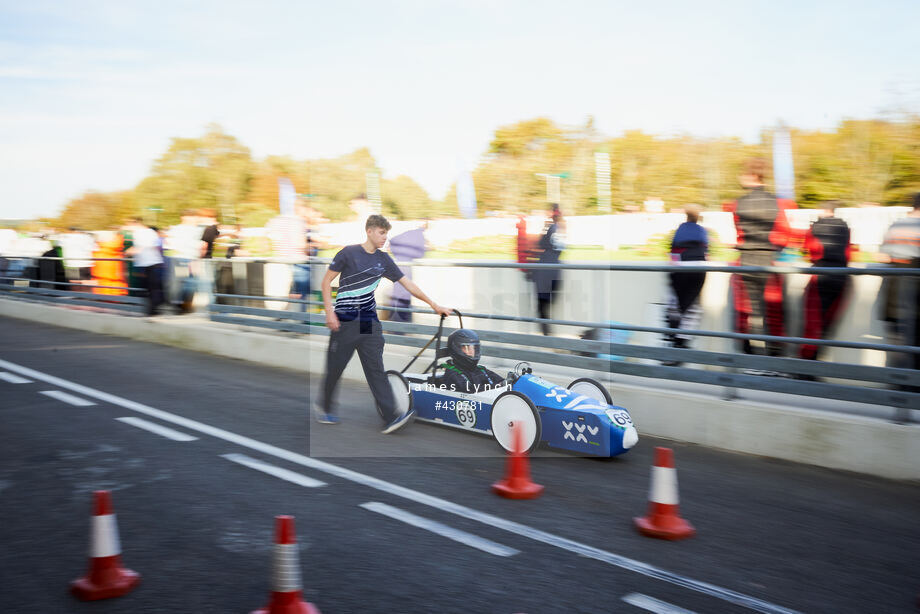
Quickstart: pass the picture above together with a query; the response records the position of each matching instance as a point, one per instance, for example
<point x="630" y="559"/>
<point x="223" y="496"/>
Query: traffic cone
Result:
<point x="663" y="518"/>
<point x="517" y="484"/>
<point x="106" y="577"/>
<point x="286" y="590"/>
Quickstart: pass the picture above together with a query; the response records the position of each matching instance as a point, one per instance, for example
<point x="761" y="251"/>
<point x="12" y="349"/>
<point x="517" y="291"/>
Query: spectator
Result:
<point x="353" y="322"/>
<point x="210" y="233"/>
<point x="136" y="283"/>
<point x="763" y="231"/>
<point x="51" y="268"/>
<point x="524" y="246"/>
<point x="184" y="239"/>
<point x="547" y="280"/>
<point x="77" y="249"/>
<point x="235" y="248"/>
<point x="901" y="295"/>
<point x="108" y="270"/>
<point x="360" y="207"/>
<point x="209" y="236"/>
<point x="8" y="237"/>
<point x="689" y="244"/>
<point x="315" y="242"/>
<point x="406" y="247"/>
<point x="827" y="244"/>
<point x="185" y="246"/>
<point x="288" y="235"/>
<point x="147" y="253"/>
<point x="160" y="272"/>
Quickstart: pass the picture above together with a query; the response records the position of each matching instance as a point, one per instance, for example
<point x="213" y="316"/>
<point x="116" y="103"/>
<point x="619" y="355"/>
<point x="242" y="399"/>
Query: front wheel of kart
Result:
<point x="402" y="397"/>
<point x="591" y="389"/>
<point x="511" y="407"/>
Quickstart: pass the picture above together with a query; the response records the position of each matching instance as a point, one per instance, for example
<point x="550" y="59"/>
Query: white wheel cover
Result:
<point x="508" y="409"/>
<point x="589" y="390"/>
<point x="400" y="394"/>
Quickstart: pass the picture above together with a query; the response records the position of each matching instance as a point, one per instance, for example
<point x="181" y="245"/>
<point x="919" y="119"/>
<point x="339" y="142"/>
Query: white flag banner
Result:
<point x="783" y="168"/>
<point x="466" y="195"/>
<point x="287" y="196"/>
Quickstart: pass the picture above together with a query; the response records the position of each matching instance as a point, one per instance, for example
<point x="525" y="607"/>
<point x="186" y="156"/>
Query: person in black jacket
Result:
<point x="547" y="280"/>
<point x="463" y="373"/>
<point x="762" y="232"/>
<point x="828" y="245"/>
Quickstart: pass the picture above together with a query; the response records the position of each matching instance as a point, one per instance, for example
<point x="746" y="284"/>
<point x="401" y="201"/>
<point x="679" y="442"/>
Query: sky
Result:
<point x="91" y="92"/>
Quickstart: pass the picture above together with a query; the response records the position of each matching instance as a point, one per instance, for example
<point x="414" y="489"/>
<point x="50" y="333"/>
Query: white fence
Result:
<point x="868" y="226"/>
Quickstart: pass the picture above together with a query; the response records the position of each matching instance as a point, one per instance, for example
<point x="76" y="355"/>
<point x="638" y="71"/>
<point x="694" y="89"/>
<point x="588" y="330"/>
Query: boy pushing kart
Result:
<point x="353" y="322"/>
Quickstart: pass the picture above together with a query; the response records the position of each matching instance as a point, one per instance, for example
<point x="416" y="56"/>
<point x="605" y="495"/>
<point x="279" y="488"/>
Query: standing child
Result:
<point x="353" y="322"/>
<point x="690" y="244"/>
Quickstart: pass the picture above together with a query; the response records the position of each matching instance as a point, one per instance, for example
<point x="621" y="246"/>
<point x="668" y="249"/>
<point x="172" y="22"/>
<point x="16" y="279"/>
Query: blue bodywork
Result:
<point x="569" y="421"/>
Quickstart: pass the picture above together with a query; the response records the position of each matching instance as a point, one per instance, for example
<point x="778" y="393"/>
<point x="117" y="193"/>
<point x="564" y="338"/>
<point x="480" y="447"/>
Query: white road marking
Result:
<point x="278" y="472"/>
<point x="158" y="429"/>
<point x="563" y="543"/>
<point x="480" y="543"/>
<point x="13" y="379"/>
<point x="653" y="605"/>
<point x="67" y="398"/>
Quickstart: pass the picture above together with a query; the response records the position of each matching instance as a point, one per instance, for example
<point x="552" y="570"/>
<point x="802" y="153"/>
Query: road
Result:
<point x="196" y="517"/>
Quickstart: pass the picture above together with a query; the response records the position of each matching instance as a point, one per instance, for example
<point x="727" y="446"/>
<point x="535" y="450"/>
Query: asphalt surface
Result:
<point x="198" y="527"/>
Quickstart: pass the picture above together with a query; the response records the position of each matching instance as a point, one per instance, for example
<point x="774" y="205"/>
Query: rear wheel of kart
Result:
<point x="513" y="407"/>
<point x="402" y="397"/>
<point x="591" y="389"/>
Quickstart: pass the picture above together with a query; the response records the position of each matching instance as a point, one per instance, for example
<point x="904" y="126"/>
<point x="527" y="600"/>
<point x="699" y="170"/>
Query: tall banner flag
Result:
<point x="466" y="194"/>
<point x="373" y="191"/>
<point x="783" y="168"/>
<point x="602" y="173"/>
<point x="287" y="196"/>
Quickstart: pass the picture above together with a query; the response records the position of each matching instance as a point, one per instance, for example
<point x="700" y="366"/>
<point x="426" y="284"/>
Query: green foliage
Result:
<point x="861" y="161"/>
<point x="97" y="210"/>
<point x="213" y="171"/>
<point x="404" y="199"/>
<point x="254" y="215"/>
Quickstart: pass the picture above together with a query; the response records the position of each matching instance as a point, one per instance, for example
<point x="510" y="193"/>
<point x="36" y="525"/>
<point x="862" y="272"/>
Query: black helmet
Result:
<point x="456" y="341"/>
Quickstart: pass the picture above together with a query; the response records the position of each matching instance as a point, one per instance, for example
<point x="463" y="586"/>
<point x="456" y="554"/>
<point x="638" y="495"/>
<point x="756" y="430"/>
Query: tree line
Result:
<point x="860" y="161"/>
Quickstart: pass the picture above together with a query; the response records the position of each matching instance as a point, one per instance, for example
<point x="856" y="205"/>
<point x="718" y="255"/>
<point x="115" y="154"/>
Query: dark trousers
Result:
<point x="365" y="336"/>
<point x="153" y="281"/>
<point x="902" y="320"/>
<point x="687" y="288"/>
<point x="759" y="301"/>
<point x="823" y="303"/>
<point x="545" y="302"/>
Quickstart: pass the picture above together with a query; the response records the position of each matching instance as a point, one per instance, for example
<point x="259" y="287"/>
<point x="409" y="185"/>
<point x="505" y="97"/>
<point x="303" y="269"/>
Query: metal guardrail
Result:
<point x="516" y="346"/>
<point x="41" y="291"/>
<point x="721" y="369"/>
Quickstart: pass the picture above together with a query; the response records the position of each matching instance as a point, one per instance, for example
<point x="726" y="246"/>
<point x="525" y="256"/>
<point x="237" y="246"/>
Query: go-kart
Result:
<point x="580" y="417"/>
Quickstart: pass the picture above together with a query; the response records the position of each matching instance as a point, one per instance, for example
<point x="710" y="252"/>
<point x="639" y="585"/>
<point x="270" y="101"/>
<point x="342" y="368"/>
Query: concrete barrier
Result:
<point x="838" y="441"/>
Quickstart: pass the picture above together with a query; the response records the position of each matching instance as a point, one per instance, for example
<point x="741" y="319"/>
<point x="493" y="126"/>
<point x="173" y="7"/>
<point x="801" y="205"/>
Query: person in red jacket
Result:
<point x="827" y="244"/>
<point x="763" y="231"/>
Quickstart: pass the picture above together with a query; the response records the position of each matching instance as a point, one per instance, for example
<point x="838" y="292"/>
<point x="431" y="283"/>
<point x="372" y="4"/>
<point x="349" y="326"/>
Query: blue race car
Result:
<point x="580" y="417"/>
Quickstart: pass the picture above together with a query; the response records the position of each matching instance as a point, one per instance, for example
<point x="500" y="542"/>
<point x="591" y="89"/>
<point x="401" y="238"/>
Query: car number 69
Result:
<point x="621" y="418"/>
<point x="466" y="414"/>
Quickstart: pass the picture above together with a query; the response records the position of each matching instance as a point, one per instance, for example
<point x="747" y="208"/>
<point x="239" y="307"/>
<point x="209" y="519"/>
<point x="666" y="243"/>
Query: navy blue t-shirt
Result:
<point x="360" y="273"/>
<point x="690" y="241"/>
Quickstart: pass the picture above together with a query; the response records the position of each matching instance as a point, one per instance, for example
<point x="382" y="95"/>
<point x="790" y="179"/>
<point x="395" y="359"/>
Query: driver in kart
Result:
<point x="463" y="373"/>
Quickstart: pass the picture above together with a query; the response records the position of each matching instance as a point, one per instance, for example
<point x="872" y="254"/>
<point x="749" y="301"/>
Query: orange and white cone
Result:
<point x="106" y="577"/>
<point x="286" y="590"/>
<point x="517" y="485"/>
<point x="663" y="519"/>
